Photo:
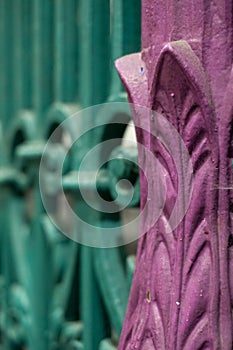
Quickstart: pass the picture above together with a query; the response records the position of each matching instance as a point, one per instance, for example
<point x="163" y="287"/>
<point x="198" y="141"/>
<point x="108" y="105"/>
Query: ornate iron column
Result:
<point x="181" y="296"/>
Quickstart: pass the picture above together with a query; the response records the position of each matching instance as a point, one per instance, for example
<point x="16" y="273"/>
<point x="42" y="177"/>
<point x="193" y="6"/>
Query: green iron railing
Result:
<point x="56" y="58"/>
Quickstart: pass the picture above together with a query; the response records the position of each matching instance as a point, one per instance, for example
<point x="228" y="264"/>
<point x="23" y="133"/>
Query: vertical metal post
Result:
<point x="65" y="50"/>
<point x="125" y="36"/>
<point x="93" y="50"/>
<point x="42" y="22"/>
<point x="27" y="43"/>
<point x="17" y="45"/>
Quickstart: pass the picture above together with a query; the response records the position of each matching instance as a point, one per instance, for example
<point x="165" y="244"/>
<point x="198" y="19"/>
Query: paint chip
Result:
<point x="148" y="297"/>
<point x="142" y="70"/>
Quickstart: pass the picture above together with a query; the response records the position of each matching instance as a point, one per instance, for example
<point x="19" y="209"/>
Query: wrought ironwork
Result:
<point x="57" y="57"/>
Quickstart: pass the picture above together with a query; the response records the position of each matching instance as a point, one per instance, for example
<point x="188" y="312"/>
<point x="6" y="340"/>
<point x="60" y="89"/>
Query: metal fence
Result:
<point x="56" y="58"/>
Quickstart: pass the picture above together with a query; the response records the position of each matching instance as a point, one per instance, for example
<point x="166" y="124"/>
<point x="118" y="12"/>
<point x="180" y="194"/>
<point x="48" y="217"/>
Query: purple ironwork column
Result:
<point x="182" y="291"/>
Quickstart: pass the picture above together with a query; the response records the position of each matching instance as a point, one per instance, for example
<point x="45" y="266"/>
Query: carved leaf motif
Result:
<point x="180" y="87"/>
<point x="183" y="269"/>
<point x="225" y="217"/>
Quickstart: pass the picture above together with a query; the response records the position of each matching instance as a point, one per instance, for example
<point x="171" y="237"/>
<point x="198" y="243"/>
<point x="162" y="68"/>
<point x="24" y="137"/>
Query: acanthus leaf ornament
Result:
<point x="179" y="270"/>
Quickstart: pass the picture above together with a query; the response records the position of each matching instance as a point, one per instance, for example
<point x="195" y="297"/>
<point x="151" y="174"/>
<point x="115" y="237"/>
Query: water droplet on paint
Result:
<point x="177" y="303"/>
<point x="172" y="94"/>
<point x="142" y="70"/>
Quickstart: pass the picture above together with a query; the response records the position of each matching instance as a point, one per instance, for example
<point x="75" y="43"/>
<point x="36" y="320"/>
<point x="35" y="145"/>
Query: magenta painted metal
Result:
<point x="182" y="291"/>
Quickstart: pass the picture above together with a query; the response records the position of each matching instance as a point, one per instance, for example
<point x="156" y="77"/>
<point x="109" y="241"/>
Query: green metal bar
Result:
<point x="65" y="51"/>
<point x="3" y="59"/>
<point x="125" y="36"/>
<point x="72" y="52"/>
<point x="132" y="26"/>
<point x="65" y="258"/>
<point x="116" y="42"/>
<point x="27" y="48"/>
<point x="40" y="287"/>
<point x="13" y="264"/>
<point x="92" y="310"/>
<point x="59" y="50"/>
<point x="8" y="62"/>
<point x="93" y="49"/>
<point x="112" y="281"/>
<point x="7" y="264"/>
<point x="39" y="256"/>
<point x="84" y="40"/>
<point x="17" y="45"/>
<point x="93" y="316"/>
<point x="42" y="56"/>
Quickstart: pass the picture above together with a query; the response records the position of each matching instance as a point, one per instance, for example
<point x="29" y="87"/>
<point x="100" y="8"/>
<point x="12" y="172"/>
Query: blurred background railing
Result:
<point x="56" y="58"/>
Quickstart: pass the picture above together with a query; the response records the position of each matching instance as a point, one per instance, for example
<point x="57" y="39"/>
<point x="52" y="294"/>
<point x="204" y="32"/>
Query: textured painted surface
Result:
<point x="181" y="297"/>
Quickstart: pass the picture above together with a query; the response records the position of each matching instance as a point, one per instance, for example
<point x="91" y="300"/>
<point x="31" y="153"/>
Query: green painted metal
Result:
<point x="57" y="57"/>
